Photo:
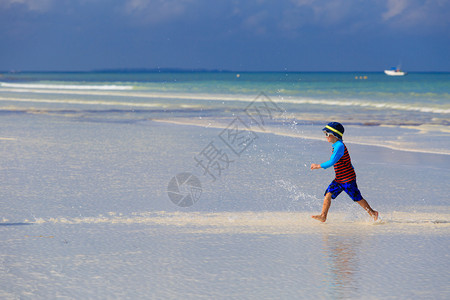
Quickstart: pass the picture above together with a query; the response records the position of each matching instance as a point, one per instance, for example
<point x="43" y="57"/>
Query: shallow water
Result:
<point x="185" y="256"/>
<point x="86" y="215"/>
<point x="86" y="211"/>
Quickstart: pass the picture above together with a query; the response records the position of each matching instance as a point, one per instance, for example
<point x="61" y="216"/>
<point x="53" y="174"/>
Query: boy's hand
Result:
<point x="315" y="166"/>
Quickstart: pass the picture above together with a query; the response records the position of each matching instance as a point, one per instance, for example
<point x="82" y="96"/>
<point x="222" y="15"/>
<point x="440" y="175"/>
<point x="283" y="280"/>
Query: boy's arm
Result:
<point x="335" y="157"/>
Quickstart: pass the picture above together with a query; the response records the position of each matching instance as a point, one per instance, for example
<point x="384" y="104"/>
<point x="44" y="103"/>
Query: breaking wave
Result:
<point x="130" y="91"/>
<point x="66" y="87"/>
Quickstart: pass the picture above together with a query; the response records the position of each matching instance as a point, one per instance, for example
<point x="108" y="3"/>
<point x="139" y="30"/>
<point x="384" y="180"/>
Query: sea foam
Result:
<point x="114" y="90"/>
<point x="65" y="86"/>
<point x="268" y="222"/>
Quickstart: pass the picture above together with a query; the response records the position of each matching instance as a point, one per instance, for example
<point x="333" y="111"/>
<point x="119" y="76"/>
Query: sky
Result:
<point x="238" y="35"/>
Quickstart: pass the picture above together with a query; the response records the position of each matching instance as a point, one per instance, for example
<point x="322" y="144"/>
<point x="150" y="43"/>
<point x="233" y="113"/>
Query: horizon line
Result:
<point x="194" y="70"/>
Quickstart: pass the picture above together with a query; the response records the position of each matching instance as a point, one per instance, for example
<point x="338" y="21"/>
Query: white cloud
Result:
<point x="399" y="14"/>
<point x="256" y="23"/>
<point x="417" y="14"/>
<point x="395" y="8"/>
<point x="303" y="2"/>
<point x="318" y="13"/>
<point x="32" y="5"/>
<point x="155" y="11"/>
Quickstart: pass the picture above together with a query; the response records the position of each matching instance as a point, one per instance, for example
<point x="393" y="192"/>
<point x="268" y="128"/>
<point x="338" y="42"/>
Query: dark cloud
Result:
<point x="224" y="34"/>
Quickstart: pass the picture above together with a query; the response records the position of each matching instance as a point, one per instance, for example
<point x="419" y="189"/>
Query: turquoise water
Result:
<point x="420" y="100"/>
<point x="423" y="86"/>
<point x="425" y="90"/>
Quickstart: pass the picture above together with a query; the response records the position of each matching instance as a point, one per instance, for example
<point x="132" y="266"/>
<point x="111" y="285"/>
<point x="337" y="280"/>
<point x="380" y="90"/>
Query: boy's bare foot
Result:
<point x="321" y="218"/>
<point x="374" y="215"/>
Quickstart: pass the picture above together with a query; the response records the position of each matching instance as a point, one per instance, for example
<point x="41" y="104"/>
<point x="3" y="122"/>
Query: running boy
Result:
<point x="345" y="174"/>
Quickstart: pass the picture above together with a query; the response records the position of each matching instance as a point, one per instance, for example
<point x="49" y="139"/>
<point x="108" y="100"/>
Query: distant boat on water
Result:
<point x="395" y="72"/>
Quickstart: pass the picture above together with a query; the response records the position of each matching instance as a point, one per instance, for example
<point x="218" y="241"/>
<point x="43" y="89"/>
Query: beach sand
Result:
<point x="86" y="215"/>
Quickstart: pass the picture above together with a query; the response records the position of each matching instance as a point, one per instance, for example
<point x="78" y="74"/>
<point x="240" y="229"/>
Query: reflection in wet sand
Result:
<point x="342" y="252"/>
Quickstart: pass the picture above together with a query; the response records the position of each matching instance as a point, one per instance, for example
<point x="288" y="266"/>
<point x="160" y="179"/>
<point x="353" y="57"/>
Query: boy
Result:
<point x="345" y="174"/>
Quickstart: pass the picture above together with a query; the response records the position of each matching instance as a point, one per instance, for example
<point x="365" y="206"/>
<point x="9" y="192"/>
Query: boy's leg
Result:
<point x="366" y="206"/>
<point x="351" y="188"/>
<point x="326" y="206"/>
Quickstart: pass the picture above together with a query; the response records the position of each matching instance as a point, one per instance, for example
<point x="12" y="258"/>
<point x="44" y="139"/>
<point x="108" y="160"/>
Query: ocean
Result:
<point x="416" y="103"/>
<point x="196" y="185"/>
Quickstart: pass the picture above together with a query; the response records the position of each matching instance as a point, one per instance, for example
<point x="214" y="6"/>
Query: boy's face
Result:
<point x="331" y="138"/>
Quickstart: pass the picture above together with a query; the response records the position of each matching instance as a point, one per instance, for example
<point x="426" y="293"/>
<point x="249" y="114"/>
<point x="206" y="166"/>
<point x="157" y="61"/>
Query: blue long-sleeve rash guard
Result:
<point x="338" y="151"/>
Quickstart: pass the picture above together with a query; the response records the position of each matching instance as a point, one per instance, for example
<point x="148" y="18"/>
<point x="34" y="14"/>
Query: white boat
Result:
<point x="395" y="72"/>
